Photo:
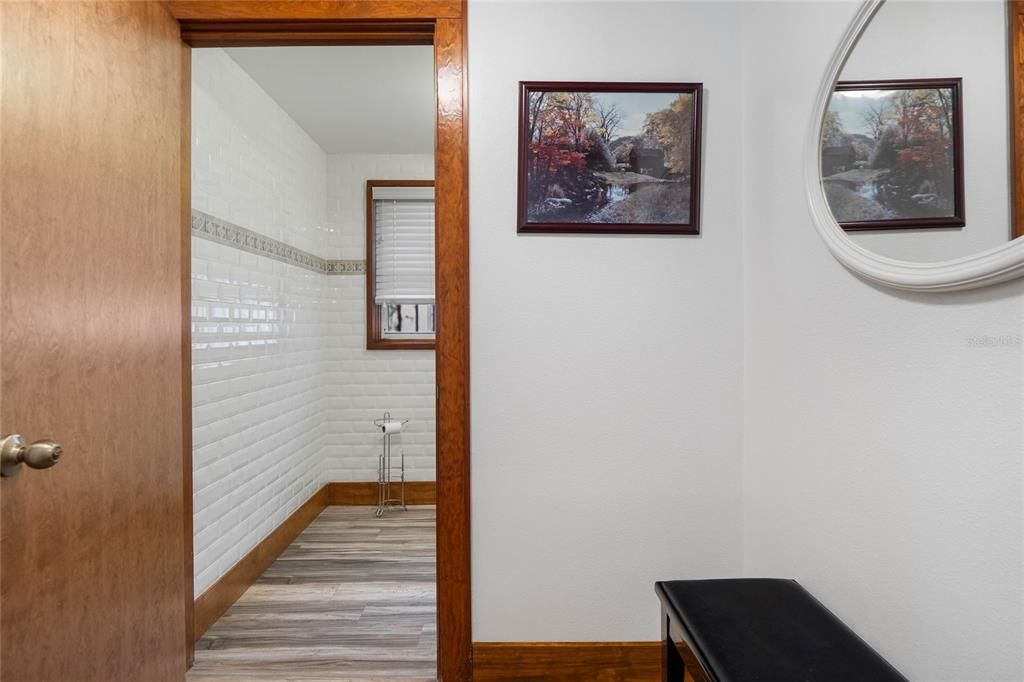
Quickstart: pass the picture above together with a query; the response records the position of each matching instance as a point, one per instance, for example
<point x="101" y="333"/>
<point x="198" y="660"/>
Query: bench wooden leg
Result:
<point x="672" y="667"/>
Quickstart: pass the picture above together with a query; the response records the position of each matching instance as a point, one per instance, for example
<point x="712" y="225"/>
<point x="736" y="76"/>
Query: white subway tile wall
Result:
<point x="252" y="164"/>
<point x="365" y="383"/>
<point x="284" y="392"/>
<point x="258" y="427"/>
<point x="257" y="398"/>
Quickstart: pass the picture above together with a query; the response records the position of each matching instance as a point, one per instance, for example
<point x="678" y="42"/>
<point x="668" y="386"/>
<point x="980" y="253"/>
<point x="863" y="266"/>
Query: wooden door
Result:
<point x="92" y="572"/>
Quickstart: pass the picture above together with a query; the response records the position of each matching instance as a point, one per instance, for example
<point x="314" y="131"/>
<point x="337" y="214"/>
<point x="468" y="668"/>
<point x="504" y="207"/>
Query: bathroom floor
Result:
<point x="353" y="598"/>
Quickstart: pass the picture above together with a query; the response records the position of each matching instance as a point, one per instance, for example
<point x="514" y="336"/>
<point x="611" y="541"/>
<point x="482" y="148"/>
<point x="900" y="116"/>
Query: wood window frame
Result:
<point x="226" y="23"/>
<point x="375" y="339"/>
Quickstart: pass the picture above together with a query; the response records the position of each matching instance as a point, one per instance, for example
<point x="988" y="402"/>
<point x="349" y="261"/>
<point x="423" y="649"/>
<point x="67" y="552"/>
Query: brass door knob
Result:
<point x="42" y="454"/>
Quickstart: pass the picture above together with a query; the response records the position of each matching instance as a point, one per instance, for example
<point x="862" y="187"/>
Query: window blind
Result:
<point x="403" y="244"/>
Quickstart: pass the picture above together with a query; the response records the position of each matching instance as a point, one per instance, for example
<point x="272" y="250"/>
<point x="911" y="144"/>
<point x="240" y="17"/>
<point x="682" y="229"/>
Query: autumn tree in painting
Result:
<point x="832" y="132"/>
<point x="558" y="145"/>
<point x="609" y="118"/>
<point x="875" y="115"/>
<point x="671" y="128"/>
<point x="919" y="155"/>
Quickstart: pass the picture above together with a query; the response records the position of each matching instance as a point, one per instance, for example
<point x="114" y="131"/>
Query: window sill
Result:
<point x="400" y="344"/>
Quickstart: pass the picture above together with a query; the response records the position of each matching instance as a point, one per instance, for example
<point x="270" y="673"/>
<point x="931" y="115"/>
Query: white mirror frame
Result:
<point x="998" y="264"/>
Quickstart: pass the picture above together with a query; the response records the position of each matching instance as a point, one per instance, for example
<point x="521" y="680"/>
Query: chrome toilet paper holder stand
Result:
<point x="385" y="500"/>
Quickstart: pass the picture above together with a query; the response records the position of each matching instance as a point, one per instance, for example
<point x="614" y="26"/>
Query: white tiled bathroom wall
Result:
<point x="284" y="392"/>
<point x="257" y="408"/>
<point x="252" y="164"/>
<point x="364" y="382"/>
<point x="257" y="344"/>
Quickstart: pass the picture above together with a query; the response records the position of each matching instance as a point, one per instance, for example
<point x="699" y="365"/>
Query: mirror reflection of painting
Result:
<point x="890" y="154"/>
<point x="613" y="160"/>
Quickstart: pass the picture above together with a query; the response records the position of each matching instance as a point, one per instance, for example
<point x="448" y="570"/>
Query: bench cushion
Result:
<point x="770" y="630"/>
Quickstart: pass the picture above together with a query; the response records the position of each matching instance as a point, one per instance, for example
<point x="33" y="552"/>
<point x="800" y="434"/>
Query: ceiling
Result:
<point x="377" y="100"/>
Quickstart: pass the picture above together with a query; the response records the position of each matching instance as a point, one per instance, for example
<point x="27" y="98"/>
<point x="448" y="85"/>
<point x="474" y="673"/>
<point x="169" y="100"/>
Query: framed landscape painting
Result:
<point x="892" y="154"/>
<point x="609" y="158"/>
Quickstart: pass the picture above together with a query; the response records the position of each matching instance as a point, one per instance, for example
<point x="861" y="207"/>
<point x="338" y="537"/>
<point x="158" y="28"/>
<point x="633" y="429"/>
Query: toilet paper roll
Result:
<point x="391" y="427"/>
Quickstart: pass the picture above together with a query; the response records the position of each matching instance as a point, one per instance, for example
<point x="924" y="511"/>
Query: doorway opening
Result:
<point x="299" y="400"/>
<point x="440" y="23"/>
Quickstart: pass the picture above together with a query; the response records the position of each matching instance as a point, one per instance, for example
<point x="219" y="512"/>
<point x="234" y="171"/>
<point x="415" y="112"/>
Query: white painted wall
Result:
<point x="606" y="371"/>
<point x="365" y="383"/>
<point x="945" y="44"/>
<point x="883" y="441"/>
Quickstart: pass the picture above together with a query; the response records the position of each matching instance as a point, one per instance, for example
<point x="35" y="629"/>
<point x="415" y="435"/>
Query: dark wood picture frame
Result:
<point x="958" y="218"/>
<point x="225" y="23"/>
<point x="692" y="227"/>
<point x="375" y="339"/>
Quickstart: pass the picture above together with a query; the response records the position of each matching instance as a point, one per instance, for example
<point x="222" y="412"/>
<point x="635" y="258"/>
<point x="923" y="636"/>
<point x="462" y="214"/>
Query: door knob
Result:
<point x="42" y="454"/>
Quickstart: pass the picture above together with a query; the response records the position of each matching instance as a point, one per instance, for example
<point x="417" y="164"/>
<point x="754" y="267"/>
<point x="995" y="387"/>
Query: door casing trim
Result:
<point x="248" y="22"/>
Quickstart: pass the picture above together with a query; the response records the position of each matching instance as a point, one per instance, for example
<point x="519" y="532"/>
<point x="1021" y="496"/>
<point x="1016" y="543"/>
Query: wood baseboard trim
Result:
<point x="567" y="661"/>
<point x="365" y="492"/>
<point x="218" y="598"/>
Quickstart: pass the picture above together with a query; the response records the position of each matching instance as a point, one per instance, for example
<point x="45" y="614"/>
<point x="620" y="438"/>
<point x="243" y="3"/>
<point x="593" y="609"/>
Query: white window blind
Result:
<point x="403" y="244"/>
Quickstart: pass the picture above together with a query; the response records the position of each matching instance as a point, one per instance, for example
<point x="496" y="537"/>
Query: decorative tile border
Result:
<point x="216" y="230"/>
<point x="345" y="267"/>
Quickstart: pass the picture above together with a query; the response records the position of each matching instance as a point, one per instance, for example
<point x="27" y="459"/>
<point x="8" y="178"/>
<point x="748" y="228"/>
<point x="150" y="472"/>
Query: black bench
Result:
<point x="768" y="630"/>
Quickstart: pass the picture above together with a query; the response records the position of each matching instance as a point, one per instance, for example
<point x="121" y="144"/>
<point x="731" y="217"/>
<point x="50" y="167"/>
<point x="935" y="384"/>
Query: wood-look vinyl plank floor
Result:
<point x="353" y="599"/>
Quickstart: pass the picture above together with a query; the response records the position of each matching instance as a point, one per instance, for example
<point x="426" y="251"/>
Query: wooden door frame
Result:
<point x="223" y="23"/>
<point x="1015" y="50"/>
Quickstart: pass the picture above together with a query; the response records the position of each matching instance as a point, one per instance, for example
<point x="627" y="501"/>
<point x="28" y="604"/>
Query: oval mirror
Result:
<point x="910" y="169"/>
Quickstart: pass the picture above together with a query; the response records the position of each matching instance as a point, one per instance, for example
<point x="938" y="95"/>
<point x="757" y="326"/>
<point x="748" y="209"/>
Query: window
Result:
<point x="400" y="264"/>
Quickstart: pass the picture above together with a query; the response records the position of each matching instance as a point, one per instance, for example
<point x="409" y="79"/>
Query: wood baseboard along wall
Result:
<point x="218" y="598"/>
<point x="365" y="492"/>
<point x="567" y="661"/>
